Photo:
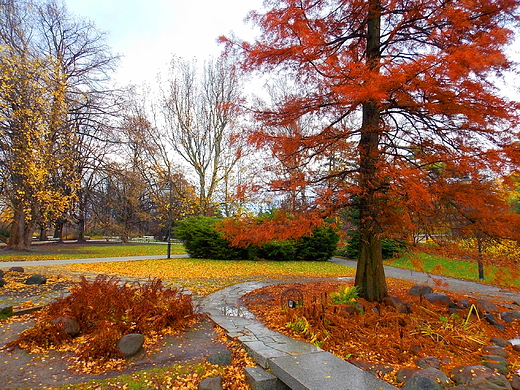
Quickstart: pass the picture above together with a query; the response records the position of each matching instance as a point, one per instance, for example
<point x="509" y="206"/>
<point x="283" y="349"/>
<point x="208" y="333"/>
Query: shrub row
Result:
<point x="202" y="240"/>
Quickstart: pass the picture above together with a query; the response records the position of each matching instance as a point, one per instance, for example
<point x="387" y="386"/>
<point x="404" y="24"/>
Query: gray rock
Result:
<point x="478" y="377"/>
<point x="428" y="361"/>
<point x="420" y="289"/>
<point x="422" y="383"/>
<point x="214" y="383"/>
<point x="70" y="325"/>
<point x="17" y="269"/>
<point x="398" y="304"/>
<point x="485" y="306"/>
<point x="130" y="344"/>
<point x="435" y="375"/>
<point x="36" y="279"/>
<point x="463" y="302"/>
<point x="500" y="342"/>
<point x="405" y="373"/>
<point x="495" y="350"/>
<point x="515" y="382"/>
<point x="493" y="321"/>
<point x="1" y="273"/>
<point x="439" y="298"/>
<point x="508" y="317"/>
<point x="2" y="282"/>
<point x="496" y="362"/>
<point x="220" y="358"/>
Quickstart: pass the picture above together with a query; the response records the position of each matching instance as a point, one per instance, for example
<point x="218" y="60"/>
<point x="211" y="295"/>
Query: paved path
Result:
<point x="38" y="263"/>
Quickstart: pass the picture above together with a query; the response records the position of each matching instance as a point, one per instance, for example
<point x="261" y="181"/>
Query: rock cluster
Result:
<point x="35" y="279"/>
<point x="493" y="370"/>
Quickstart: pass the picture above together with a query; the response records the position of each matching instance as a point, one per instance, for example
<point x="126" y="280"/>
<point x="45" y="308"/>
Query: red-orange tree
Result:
<point x="400" y="79"/>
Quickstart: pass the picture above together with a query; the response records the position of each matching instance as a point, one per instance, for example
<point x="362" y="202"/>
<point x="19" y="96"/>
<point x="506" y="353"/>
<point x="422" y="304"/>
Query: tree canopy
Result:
<point x="392" y="88"/>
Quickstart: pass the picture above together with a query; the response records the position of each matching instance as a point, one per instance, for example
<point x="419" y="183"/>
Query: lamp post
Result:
<point x="169" y="236"/>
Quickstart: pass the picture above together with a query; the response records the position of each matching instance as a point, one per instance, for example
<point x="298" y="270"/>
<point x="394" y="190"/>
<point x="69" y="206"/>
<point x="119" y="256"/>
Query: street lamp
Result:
<point x="169" y="234"/>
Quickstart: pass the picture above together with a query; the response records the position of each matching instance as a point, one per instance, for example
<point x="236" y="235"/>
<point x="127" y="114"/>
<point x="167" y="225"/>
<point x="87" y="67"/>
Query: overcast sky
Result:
<point x="149" y="32"/>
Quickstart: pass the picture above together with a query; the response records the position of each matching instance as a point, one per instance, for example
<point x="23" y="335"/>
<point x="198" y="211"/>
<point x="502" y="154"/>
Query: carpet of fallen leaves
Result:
<point x="183" y="377"/>
<point x="380" y="335"/>
<point x="203" y="277"/>
<point x="33" y="295"/>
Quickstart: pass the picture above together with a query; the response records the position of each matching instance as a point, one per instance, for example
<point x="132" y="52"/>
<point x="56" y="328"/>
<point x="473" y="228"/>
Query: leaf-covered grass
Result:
<point x="206" y="276"/>
<point x="455" y="268"/>
<point x="75" y="251"/>
<point x="152" y="378"/>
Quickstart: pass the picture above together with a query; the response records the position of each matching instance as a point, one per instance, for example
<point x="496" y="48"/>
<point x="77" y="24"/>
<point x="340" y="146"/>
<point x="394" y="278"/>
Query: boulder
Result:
<point x="2" y="282"/>
<point x="493" y="321"/>
<point x="130" y="344"/>
<point x="36" y="279"/>
<point x="439" y="298"/>
<point x="428" y="361"/>
<point x="420" y="289"/>
<point x="220" y="358"/>
<point x="435" y="375"/>
<point x="405" y="374"/>
<point x="478" y="377"/>
<point x="485" y="306"/>
<point x="495" y="350"/>
<point x="17" y="269"/>
<point x="422" y="383"/>
<point x="397" y="303"/>
<point x="70" y="325"/>
<point x="496" y="362"/>
<point x="1" y="273"/>
<point x="214" y="383"/>
<point x="515" y="382"/>
<point x="500" y="342"/>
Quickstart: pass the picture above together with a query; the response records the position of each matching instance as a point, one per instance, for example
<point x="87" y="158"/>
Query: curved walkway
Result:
<point x="301" y="365"/>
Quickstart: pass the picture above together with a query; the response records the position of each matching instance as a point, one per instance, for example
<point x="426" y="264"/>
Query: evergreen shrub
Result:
<point x="203" y="241"/>
<point x="390" y="247"/>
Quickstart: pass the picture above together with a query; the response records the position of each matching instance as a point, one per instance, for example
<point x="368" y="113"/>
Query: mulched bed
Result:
<point x="382" y="338"/>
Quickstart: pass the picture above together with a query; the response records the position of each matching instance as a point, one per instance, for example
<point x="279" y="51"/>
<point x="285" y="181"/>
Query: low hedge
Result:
<point x="202" y="240"/>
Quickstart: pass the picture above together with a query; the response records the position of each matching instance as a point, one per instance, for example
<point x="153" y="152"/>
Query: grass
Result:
<point x="75" y="251"/>
<point x="455" y="268"/>
<point x="202" y="276"/>
<point x="147" y="379"/>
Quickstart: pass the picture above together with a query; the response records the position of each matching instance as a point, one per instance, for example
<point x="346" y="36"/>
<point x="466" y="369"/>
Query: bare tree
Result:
<point x="200" y="111"/>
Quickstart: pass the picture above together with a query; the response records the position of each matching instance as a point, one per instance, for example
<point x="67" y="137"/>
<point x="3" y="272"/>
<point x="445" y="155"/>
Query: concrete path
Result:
<point x="38" y="263"/>
<point x="299" y="365"/>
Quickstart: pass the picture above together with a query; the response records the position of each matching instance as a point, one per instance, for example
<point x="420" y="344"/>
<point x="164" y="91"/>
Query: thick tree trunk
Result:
<point x="58" y="229"/>
<point x="370" y="275"/>
<point x="21" y="231"/>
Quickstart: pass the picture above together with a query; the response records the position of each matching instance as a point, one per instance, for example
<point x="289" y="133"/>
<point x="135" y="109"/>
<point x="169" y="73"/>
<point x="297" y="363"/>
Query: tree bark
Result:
<point x="21" y="231"/>
<point x="370" y="275"/>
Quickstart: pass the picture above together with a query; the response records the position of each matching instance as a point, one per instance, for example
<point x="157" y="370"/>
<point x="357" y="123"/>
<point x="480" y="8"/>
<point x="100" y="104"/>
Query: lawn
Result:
<point x="76" y="251"/>
<point x="202" y="276"/>
<point x="456" y="268"/>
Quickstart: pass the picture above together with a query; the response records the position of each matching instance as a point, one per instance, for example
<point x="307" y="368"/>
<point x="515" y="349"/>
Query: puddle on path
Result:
<point x="232" y="311"/>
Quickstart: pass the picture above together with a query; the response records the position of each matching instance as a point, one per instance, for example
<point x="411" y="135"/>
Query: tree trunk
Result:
<point x="58" y="229"/>
<point x="370" y="274"/>
<point x="480" y="262"/>
<point x="21" y="231"/>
